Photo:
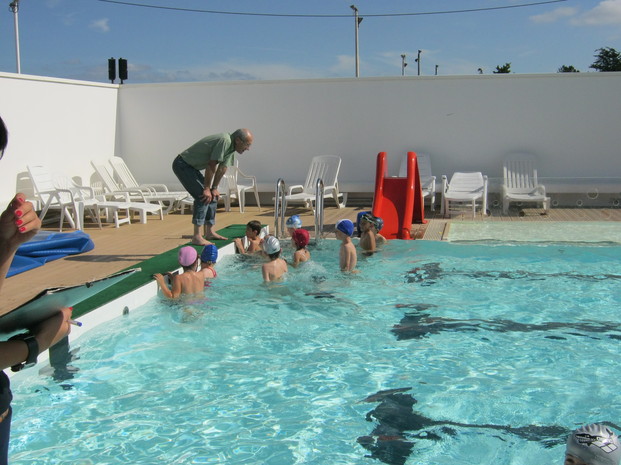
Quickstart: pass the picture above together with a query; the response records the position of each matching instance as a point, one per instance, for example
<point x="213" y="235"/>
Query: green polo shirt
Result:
<point x="218" y="147"/>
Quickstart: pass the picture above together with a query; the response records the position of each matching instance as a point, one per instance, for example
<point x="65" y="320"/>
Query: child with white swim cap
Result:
<point x="275" y="269"/>
<point x="593" y="444"/>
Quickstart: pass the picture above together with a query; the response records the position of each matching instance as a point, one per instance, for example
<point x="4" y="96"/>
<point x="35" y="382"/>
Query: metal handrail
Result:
<point x="319" y="190"/>
<point x="279" y="208"/>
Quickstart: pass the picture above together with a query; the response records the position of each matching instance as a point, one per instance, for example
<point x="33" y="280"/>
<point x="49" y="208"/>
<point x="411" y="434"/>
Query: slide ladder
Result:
<point x="398" y="201"/>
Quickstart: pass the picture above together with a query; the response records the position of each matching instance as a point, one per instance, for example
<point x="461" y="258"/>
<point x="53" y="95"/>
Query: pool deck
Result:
<point x="117" y="249"/>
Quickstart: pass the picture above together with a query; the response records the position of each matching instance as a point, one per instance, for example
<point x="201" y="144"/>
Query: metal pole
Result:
<point x="357" y="22"/>
<point x="403" y="64"/>
<point x="14" y="7"/>
<point x="418" y="61"/>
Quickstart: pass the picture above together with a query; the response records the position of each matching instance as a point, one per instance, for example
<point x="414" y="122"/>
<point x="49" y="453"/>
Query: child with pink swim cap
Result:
<point x="189" y="282"/>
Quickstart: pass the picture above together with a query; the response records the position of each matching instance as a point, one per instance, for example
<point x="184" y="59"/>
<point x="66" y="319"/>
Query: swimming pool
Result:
<point x="434" y="353"/>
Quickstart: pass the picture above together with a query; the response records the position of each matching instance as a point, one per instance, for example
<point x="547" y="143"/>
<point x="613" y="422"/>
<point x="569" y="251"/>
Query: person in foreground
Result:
<point x="275" y="269"/>
<point x="300" y="239"/>
<point x="18" y="224"/>
<point x="347" y="254"/>
<point x="214" y="154"/>
<point x="189" y="282"/>
<point x="593" y="444"/>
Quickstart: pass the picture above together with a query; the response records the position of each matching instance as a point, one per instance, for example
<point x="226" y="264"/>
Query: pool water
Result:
<point x="434" y="353"/>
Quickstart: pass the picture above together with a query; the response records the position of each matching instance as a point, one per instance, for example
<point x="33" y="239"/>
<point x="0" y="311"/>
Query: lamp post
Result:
<point x="418" y="61"/>
<point x="437" y="66"/>
<point x="357" y="23"/>
<point x="14" y="7"/>
<point x="403" y="64"/>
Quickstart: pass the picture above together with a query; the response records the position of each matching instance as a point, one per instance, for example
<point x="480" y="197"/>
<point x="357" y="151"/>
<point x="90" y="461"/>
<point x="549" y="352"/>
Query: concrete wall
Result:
<point x="58" y="123"/>
<point x="570" y="121"/>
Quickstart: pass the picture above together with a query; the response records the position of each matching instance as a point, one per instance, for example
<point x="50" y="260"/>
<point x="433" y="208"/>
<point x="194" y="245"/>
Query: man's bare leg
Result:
<point x="211" y="234"/>
<point x="197" y="237"/>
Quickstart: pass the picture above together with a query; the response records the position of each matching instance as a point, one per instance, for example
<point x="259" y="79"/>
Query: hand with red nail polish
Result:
<point x="18" y="224"/>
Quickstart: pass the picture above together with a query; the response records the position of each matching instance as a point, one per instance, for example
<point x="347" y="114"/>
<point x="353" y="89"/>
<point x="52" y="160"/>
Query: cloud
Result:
<point x="344" y="63"/>
<point x="554" y="15"/>
<point x="605" y="13"/>
<point x="100" y="25"/>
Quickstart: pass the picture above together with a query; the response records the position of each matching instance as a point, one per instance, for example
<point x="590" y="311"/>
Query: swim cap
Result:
<point x="379" y="223"/>
<point x="271" y="245"/>
<point x="300" y="237"/>
<point x="345" y="226"/>
<point x="374" y="220"/>
<point x="209" y="253"/>
<point x="594" y="444"/>
<point x="187" y="255"/>
<point x="294" y="222"/>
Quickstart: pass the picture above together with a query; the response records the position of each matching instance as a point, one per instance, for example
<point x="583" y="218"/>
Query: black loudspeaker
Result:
<point x="111" y="69"/>
<point x="122" y="69"/>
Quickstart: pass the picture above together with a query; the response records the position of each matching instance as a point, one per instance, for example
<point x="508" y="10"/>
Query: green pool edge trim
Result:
<point x="161" y="263"/>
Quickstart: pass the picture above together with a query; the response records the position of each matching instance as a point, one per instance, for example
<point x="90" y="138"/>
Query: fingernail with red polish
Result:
<point x="22" y="229"/>
<point x="19" y="213"/>
<point x="19" y="222"/>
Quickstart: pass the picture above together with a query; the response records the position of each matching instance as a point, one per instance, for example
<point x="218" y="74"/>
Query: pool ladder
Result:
<point x="280" y="205"/>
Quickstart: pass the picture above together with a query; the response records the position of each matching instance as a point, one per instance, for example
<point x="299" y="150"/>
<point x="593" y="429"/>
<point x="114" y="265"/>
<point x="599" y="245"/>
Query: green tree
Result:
<point x="504" y="69"/>
<point x="607" y="59"/>
<point x="567" y="69"/>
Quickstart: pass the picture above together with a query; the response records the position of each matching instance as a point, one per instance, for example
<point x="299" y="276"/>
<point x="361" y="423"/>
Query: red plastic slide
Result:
<point x="398" y="201"/>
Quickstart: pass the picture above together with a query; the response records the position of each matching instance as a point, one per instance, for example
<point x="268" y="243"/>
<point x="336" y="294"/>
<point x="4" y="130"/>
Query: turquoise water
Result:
<point x="485" y="354"/>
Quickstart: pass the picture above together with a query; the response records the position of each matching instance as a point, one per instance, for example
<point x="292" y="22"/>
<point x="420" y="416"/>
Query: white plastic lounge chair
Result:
<point x="464" y="189"/>
<point x="134" y="200"/>
<point x="427" y="180"/>
<point x="231" y="186"/>
<point x="154" y="192"/>
<point x="520" y="182"/>
<point x="326" y="168"/>
<point x="69" y="201"/>
<point x="73" y="201"/>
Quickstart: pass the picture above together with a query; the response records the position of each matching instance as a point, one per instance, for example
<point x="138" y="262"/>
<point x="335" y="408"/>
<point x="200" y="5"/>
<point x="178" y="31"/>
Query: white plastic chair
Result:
<point x="427" y="180"/>
<point x="71" y="202"/>
<point x="464" y="189"/>
<point x="231" y="186"/>
<point x="326" y="168"/>
<point x="520" y="182"/>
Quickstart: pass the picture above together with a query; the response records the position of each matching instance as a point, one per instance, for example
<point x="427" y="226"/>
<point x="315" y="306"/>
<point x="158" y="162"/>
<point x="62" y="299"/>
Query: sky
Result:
<point x="201" y="40"/>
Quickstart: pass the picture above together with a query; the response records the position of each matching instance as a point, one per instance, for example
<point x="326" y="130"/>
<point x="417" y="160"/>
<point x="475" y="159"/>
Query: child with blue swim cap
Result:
<point x="347" y="254"/>
<point x="294" y="222"/>
<point x="369" y="227"/>
<point x="209" y="256"/>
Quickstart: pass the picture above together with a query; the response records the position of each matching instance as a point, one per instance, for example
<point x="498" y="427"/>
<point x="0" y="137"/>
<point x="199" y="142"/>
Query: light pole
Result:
<point x="14" y="7"/>
<point x="403" y="64"/>
<point x="437" y="66"/>
<point x="418" y="61"/>
<point x="357" y="23"/>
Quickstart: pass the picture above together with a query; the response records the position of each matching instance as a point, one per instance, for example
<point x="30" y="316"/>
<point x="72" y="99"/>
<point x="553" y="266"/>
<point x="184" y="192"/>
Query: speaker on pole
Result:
<point x="111" y="70"/>
<point x="122" y="69"/>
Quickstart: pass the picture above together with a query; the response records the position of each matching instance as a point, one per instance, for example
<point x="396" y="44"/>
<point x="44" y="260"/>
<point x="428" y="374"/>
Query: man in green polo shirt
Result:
<point x="213" y="154"/>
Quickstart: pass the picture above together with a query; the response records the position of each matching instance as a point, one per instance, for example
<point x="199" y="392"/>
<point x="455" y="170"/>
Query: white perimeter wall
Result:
<point x="61" y="124"/>
<point x="571" y="121"/>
